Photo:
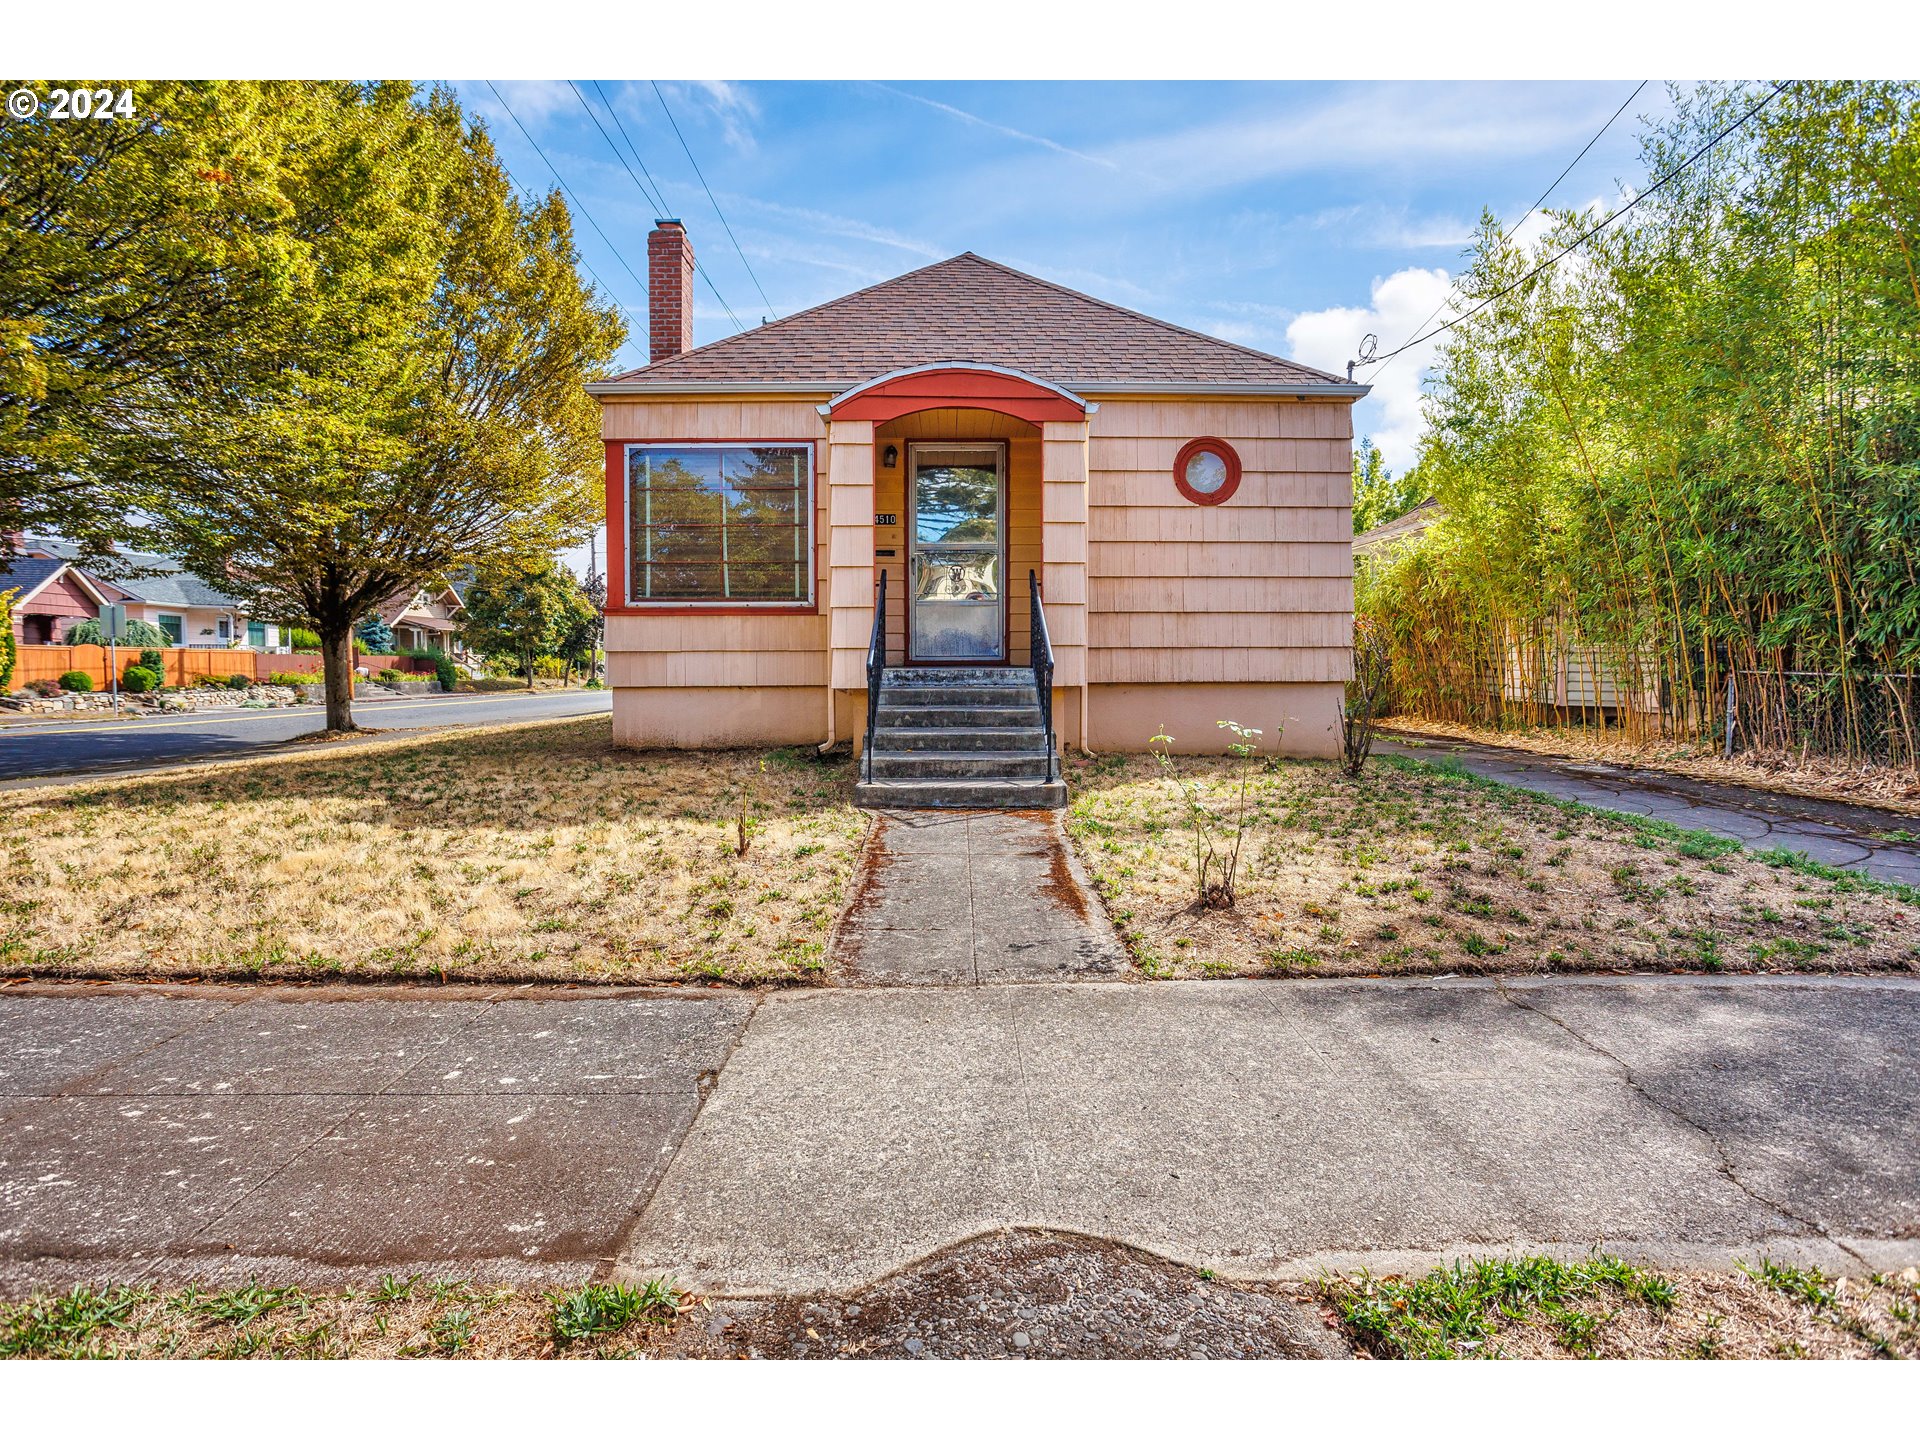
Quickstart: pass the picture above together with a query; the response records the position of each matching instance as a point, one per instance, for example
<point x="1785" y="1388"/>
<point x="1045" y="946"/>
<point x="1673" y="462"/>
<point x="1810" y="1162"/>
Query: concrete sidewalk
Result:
<point x="1267" y="1129"/>
<point x="813" y="1140"/>
<point x="1850" y="837"/>
<point x="330" y="1135"/>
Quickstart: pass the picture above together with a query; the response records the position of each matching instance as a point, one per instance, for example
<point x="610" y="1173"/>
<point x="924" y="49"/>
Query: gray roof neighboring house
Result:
<point x="151" y="579"/>
<point x="27" y="573"/>
<point x="1410" y="526"/>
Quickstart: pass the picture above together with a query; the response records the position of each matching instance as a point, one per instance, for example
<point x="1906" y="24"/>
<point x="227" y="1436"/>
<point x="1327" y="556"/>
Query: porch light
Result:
<point x="890" y="457"/>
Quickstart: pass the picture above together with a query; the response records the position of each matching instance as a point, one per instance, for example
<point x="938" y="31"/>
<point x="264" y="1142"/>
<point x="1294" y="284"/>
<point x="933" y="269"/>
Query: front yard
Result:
<point x="1421" y="868"/>
<point x="525" y="852"/>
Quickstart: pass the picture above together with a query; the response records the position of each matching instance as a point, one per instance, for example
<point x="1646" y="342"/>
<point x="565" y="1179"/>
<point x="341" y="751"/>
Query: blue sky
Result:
<point x="1291" y="217"/>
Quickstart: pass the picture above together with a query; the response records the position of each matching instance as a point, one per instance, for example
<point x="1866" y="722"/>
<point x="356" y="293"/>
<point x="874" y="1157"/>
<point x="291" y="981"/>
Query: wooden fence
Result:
<point x="185" y="666"/>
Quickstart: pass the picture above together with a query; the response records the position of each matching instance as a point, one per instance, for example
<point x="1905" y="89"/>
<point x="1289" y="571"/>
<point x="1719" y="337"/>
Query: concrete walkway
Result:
<point x="1851" y="837"/>
<point x="818" y="1139"/>
<point x="965" y="897"/>
<point x="1267" y="1129"/>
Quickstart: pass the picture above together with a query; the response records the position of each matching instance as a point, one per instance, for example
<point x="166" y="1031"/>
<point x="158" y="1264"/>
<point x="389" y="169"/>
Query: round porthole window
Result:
<point x="1206" y="470"/>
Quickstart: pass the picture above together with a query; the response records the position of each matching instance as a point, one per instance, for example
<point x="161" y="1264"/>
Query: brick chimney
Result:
<point x="669" y="291"/>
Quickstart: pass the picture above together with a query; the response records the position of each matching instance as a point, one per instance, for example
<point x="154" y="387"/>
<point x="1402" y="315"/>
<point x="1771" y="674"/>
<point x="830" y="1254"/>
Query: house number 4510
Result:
<point x="886" y="519"/>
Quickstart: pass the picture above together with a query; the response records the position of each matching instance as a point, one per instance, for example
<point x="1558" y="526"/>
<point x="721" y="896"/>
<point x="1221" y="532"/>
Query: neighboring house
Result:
<point x="192" y="612"/>
<point x="1544" y="664"/>
<point x="427" y="619"/>
<point x="1184" y="502"/>
<point x="52" y="596"/>
<point x="1374" y="544"/>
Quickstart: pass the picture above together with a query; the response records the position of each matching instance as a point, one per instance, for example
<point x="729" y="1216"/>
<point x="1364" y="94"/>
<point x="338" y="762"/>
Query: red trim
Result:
<point x="1228" y="456"/>
<point x="616" y="495"/>
<point x="961" y="388"/>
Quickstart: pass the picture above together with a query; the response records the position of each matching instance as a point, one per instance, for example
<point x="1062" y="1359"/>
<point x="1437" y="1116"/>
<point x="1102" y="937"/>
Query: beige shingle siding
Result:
<point x="1258" y="589"/>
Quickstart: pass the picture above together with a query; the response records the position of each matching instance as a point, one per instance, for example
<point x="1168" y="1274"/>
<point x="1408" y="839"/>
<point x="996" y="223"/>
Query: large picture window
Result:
<point x="720" y="524"/>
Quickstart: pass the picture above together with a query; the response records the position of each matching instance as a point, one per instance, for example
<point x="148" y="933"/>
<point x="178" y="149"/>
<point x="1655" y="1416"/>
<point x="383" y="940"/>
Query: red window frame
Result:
<point x="1214" y="446"/>
<point x="618" y="576"/>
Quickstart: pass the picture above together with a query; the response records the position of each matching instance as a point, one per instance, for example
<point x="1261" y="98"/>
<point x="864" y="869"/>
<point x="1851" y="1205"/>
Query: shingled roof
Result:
<point x="970" y="309"/>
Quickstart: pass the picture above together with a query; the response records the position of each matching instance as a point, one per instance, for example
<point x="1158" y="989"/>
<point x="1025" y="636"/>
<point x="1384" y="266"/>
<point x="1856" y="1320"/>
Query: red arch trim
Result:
<point x="959" y="387"/>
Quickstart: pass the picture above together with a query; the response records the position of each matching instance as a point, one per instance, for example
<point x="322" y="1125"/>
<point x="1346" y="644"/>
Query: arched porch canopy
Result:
<point x="958" y="385"/>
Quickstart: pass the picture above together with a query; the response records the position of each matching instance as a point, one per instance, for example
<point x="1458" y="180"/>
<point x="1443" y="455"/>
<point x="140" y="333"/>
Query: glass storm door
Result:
<point x="955" y="553"/>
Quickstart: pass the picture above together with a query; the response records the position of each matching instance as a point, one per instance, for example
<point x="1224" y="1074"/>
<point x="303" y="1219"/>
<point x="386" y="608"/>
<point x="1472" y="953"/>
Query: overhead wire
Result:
<point x="661" y="97"/>
<point x="1591" y="231"/>
<point x="1510" y="228"/>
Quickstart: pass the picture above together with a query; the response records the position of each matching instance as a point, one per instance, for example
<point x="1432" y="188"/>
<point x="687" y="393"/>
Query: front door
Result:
<point x="956" y="558"/>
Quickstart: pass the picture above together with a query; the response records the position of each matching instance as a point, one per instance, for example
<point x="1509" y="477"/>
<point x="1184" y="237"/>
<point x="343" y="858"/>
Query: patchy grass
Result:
<point x="1602" y="1307"/>
<point x="972" y="1300"/>
<point x="1419" y="867"/>
<point x="521" y="852"/>
<point x="400" y="1318"/>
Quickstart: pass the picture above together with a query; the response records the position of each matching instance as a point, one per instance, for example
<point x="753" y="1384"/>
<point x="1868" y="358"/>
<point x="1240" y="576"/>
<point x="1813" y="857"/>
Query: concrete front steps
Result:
<point x="959" y="737"/>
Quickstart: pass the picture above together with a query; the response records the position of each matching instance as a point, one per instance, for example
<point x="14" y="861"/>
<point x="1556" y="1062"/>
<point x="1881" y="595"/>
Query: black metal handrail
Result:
<point x="1040" y="650"/>
<point x="876" y="667"/>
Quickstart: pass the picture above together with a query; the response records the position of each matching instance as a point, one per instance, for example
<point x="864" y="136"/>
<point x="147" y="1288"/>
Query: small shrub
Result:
<point x="1216" y="864"/>
<point x="45" y="689"/>
<point x="155" y="661"/>
<point x="390" y="674"/>
<point x="1361" y="703"/>
<point x="78" y="682"/>
<point x="304" y="642"/>
<point x="138" y="680"/>
<point x="446" y="672"/>
<point x="239" y="682"/>
<point x="292" y="677"/>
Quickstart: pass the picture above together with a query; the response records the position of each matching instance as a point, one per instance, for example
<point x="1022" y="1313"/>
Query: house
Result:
<point x="50" y="596"/>
<point x="428" y="618"/>
<point x="159" y="590"/>
<point x="966" y="516"/>
<point x="1544" y="666"/>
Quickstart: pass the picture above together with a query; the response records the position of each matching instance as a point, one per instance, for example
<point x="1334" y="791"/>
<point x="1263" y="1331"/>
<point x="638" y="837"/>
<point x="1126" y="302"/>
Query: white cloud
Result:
<point x="1327" y="339"/>
<point x="533" y="102"/>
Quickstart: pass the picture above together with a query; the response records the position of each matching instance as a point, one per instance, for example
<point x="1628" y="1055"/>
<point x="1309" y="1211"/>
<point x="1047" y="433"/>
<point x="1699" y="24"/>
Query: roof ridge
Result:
<point x="1150" y="319"/>
<point x="798" y="314"/>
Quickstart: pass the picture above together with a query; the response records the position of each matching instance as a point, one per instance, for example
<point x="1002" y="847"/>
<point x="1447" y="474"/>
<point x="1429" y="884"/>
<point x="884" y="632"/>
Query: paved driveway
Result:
<point x="63" y="747"/>
<point x="818" y="1139"/>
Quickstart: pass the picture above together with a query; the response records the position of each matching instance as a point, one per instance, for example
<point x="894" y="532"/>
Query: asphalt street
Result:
<point x="70" y="747"/>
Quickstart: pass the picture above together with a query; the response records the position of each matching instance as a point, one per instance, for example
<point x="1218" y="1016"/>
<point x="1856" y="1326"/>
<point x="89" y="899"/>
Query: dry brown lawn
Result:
<point x="1420" y="868"/>
<point x="522" y="852"/>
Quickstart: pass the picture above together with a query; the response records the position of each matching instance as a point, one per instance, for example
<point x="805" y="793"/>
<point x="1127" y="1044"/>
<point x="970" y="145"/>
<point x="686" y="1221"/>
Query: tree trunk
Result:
<point x="336" y="659"/>
<point x="527" y="655"/>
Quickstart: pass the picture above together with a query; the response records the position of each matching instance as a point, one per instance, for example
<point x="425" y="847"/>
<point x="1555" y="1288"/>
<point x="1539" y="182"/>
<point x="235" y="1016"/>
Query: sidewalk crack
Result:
<point x="1725" y="1165"/>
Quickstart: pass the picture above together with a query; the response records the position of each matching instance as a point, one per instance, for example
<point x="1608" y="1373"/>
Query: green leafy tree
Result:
<point x="9" y="653"/>
<point x="427" y="411"/>
<point x="138" y="261"/>
<point x="523" y="614"/>
<point x="1377" y="496"/>
<point x="585" y="624"/>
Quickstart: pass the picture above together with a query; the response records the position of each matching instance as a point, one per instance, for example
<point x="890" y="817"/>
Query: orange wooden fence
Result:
<point x="185" y="666"/>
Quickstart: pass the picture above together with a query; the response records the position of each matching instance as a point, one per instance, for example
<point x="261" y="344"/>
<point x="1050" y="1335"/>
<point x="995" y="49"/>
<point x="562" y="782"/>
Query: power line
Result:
<point x="1506" y="230"/>
<point x="661" y="97"/>
<point x="534" y="202"/>
<point x="652" y="198"/>
<point x="655" y="196"/>
<point x="565" y="190"/>
<point x="1588" y="234"/>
